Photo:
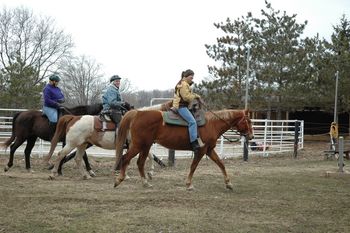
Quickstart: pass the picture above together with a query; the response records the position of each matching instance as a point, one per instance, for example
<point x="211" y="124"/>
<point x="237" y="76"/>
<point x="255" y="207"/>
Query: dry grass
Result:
<point x="275" y="194"/>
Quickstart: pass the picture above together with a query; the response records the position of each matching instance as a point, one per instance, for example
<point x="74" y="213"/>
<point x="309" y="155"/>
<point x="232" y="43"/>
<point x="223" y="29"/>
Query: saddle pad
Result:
<point x="98" y="124"/>
<point x="172" y="118"/>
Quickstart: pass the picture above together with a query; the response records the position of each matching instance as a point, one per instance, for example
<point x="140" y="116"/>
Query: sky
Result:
<point x="150" y="42"/>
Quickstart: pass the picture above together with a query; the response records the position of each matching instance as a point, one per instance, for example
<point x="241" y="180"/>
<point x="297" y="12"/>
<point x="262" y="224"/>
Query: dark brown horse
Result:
<point x="31" y="125"/>
<point x="148" y="127"/>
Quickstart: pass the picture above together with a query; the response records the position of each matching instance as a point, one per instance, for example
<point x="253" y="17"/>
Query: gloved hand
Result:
<point x="117" y="105"/>
<point x="60" y="101"/>
<point x="59" y="105"/>
<point x="126" y="106"/>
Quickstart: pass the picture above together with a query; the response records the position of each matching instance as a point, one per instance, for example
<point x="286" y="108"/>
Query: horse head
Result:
<point x="244" y="126"/>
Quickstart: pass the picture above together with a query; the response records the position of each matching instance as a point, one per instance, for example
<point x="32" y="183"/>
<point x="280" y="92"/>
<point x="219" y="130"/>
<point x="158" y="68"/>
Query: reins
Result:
<point x="66" y="109"/>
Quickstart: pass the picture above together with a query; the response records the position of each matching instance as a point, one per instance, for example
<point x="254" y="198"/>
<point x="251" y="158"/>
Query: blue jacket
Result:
<point x="111" y="97"/>
<point x="52" y="96"/>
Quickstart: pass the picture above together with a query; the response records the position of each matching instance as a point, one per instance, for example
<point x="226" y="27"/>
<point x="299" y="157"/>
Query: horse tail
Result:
<point x="123" y="131"/>
<point x="13" y="136"/>
<point x="59" y="133"/>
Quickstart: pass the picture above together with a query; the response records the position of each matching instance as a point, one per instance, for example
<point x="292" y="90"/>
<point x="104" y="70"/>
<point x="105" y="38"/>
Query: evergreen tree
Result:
<point x="226" y="88"/>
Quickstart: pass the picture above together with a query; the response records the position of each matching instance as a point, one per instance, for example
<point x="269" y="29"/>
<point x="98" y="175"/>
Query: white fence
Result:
<point x="270" y="137"/>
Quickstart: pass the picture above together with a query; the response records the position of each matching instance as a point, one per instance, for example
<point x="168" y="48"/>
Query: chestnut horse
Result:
<point x="79" y="132"/>
<point x="148" y="127"/>
<point x="32" y="124"/>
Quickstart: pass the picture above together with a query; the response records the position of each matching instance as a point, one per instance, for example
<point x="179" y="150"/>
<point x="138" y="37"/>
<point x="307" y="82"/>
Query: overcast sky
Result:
<point x="151" y="41"/>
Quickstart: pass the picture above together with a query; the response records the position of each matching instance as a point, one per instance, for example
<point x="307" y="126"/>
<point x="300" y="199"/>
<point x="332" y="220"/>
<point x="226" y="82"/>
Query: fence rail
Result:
<point x="270" y="137"/>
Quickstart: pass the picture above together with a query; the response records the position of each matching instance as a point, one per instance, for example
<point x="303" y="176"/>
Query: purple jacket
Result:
<point x="52" y="95"/>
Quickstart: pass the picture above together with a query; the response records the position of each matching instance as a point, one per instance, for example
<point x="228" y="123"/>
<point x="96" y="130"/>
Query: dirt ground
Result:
<point x="274" y="194"/>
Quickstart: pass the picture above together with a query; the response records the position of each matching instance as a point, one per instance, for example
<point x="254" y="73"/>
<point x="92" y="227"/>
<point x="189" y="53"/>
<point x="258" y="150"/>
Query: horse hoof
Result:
<point x="86" y="177"/>
<point x="6" y="169"/>
<point x="190" y="188"/>
<point x="51" y="177"/>
<point x="127" y="177"/>
<point x="92" y="173"/>
<point x="147" y="185"/>
<point x="116" y="183"/>
<point x="229" y="186"/>
<point x="150" y="175"/>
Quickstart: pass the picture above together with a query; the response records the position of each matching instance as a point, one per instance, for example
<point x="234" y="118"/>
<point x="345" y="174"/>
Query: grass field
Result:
<point x="274" y="194"/>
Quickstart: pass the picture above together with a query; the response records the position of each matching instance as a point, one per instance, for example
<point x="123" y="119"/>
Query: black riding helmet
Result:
<point x="114" y="77"/>
<point x="54" y="77"/>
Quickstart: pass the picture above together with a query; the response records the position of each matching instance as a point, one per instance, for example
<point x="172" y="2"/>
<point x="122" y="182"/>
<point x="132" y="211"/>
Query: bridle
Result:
<point x="245" y="118"/>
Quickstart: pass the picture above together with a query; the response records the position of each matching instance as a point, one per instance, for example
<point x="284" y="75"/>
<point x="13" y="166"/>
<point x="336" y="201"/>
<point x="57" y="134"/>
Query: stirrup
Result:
<point x="104" y="125"/>
<point x="200" y="142"/>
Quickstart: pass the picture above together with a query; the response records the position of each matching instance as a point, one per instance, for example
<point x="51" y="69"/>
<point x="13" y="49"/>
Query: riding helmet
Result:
<point x="114" y="77"/>
<point x="55" y="77"/>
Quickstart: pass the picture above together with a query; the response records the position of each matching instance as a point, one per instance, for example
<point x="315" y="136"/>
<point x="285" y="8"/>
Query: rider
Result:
<point x="53" y="98"/>
<point x="182" y="97"/>
<point x="112" y="100"/>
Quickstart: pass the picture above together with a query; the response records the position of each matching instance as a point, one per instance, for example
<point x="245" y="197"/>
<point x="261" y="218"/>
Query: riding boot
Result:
<point x="52" y="127"/>
<point x="116" y="116"/>
<point x="195" y="147"/>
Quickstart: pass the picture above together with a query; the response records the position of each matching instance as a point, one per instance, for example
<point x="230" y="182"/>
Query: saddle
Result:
<point x="102" y="124"/>
<point x="172" y="117"/>
<point x="108" y="119"/>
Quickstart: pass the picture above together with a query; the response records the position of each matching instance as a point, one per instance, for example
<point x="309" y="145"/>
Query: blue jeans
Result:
<point x="51" y="113"/>
<point x="192" y="124"/>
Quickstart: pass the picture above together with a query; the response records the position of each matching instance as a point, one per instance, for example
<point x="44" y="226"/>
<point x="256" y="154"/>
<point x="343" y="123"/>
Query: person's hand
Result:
<point x="201" y="101"/>
<point x="60" y="101"/>
<point x="60" y="105"/>
<point x="127" y="106"/>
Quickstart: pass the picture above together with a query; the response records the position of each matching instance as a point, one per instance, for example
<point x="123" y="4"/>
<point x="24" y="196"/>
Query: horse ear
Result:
<point x="246" y="112"/>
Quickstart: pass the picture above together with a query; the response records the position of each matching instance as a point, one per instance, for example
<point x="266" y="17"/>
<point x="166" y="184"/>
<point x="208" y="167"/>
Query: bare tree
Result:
<point x="82" y="83"/>
<point x="31" y="41"/>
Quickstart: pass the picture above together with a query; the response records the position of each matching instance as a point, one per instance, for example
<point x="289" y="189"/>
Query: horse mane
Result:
<point x="224" y="114"/>
<point x="92" y="109"/>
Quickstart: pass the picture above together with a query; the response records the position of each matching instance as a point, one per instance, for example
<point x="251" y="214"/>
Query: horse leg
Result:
<point x="87" y="164"/>
<point x="18" y="142"/>
<point x="63" y="161"/>
<point x="116" y="169"/>
<point x="194" y="165"/>
<point x="151" y="172"/>
<point x="214" y="156"/>
<point x="124" y="162"/>
<point x="141" y="165"/>
<point x="61" y="154"/>
<point x="78" y="158"/>
<point x="29" y="147"/>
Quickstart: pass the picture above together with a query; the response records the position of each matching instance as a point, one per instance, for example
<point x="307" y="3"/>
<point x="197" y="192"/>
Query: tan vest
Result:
<point x="183" y="95"/>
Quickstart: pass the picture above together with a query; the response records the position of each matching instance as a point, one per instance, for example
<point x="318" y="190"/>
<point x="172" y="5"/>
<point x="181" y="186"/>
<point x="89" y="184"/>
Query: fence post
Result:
<point x="245" y="149"/>
<point x="296" y="137"/>
<point x="171" y="158"/>
<point x="265" y="138"/>
<point x="341" y="154"/>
